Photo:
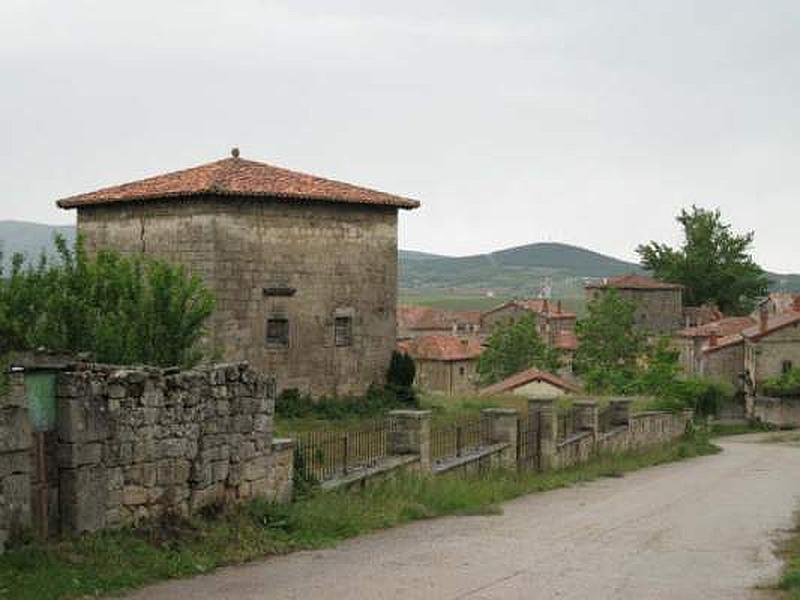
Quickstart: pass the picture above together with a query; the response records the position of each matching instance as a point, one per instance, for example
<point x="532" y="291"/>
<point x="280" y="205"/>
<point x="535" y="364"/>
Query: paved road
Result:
<point x="704" y="528"/>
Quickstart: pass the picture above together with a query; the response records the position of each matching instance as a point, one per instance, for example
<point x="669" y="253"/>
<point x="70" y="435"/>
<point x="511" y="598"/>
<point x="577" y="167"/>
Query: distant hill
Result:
<point x="522" y="270"/>
<point x="30" y="238"/>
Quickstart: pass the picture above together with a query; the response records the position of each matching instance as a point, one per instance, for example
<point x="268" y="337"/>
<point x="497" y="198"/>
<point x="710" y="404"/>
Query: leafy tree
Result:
<point x="610" y="347"/>
<point x="514" y="347"/>
<point x="713" y="263"/>
<point x="122" y="310"/>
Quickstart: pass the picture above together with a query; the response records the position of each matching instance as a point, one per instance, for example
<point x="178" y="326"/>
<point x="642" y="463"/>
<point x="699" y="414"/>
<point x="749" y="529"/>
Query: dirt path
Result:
<point x="704" y="528"/>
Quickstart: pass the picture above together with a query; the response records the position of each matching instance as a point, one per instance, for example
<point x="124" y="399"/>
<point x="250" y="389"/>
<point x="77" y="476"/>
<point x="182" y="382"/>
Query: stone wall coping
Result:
<point x="499" y="411"/>
<point x="584" y="403"/>
<point x="279" y="444"/>
<point x="650" y="413"/>
<point x="574" y="438"/>
<point x="460" y="461"/>
<point x="619" y="401"/>
<point x="409" y="413"/>
<point x="385" y="466"/>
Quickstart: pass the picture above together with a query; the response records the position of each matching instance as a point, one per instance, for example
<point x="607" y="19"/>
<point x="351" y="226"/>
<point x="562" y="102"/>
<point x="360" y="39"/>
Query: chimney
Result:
<point x="763" y="318"/>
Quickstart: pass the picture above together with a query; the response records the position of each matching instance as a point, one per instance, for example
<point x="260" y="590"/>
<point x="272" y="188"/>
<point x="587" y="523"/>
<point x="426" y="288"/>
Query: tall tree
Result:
<point x="714" y="263"/>
<point x="514" y="347"/>
<point x="610" y="347"/>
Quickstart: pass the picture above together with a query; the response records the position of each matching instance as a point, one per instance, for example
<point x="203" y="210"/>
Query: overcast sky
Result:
<point x="513" y="122"/>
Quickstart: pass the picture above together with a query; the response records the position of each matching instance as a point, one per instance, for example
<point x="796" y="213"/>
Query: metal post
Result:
<point x="346" y="453"/>
<point x="459" y="440"/>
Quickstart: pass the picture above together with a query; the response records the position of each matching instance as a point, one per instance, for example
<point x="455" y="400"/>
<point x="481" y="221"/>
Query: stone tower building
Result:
<point x="304" y="269"/>
<point x="659" y="305"/>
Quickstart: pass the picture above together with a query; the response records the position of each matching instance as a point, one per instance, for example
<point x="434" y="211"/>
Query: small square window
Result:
<point x="786" y="366"/>
<point x="462" y="371"/>
<point x="343" y="331"/>
<point x="278" y="332"/>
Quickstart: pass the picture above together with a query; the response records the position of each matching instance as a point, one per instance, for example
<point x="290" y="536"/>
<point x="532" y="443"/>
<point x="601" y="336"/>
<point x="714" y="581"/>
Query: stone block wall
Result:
<point x="134" y="444"/>
<point x="15" y="462"/>
<point x="779" y="412"/>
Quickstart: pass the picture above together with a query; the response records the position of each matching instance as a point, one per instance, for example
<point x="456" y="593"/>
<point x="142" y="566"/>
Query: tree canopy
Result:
<point x="121" y="310"/>
<point x="514" y="347"/>
<point x="713" y="263"/>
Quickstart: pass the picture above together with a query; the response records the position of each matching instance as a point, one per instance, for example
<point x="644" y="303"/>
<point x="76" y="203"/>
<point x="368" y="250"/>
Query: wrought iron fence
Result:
<point x="529" y="431"/>
<point x="458" y="439"/>
<point x="566" y="423"/>
<point x="327" y="454"/>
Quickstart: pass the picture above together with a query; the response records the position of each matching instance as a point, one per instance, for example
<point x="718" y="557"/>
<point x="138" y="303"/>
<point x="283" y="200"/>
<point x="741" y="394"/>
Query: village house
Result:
<point x="722" y="359"/>
<point x="445" y="363"/>
<point x="304" y="269"/>
<point x="693" y="342"/>
<point x="771" y="347"/>
<point x="532" y="383"/>
<point x="659" y="305"/>
<point x="415" y="321"/>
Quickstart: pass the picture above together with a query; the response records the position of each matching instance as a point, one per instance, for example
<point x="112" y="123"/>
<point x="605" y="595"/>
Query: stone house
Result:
<point x="445" y="363"/>
<point x="416" y="321"/>
<point x="532" y="383"/>
<point x="555" y="325"/>
<point x="659" y="305"/>
<point x="722" y="359"/>
<point x="304" y="269"/>
<point x="771" y="347"/>
<point x="692" y="342"/>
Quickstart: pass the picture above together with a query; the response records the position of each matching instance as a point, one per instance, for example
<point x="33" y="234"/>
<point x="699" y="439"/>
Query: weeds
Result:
<point x="111" y="562"/>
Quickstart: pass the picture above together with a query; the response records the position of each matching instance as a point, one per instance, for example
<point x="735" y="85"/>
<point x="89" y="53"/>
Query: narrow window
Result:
<point x="278" y="332"/>
<point x="462" y="371"/>
<point x="786" y="366"/>
<point x="343" y="331"/>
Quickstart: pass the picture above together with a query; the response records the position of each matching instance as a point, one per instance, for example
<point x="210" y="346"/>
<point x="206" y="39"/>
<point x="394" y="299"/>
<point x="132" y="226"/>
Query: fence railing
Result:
<point x="529" y="433"/>
<point x="604" y="419"/>
<point x="458" y="439"/>
<point x="566" y="423"/>
<point x="327" y="454"/>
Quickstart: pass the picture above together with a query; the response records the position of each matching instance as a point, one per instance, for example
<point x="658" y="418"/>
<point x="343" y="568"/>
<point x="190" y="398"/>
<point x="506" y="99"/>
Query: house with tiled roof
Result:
<point x="555" y="325"/>
<point x="303" y="268"/>
<point x="415" y="321"/>
<point x="446" y="364"/>
<point x="659" y="304"/>
<point x="771" y="347"/>
<point x="532" y="383"/>
<point x="692" y="342"/>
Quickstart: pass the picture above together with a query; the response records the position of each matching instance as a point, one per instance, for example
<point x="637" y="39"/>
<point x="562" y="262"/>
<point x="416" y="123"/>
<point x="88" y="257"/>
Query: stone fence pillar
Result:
<point x="501" y="428"/>
<point x="410" y="433"/>
<point x="586" y="415"/>
<point x="15" y="461"/>
<point x="620" y="411"/>
<point x="545" y="408"/>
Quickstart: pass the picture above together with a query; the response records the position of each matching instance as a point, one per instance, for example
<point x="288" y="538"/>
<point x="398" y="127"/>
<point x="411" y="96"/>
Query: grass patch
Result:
<point x="790" y="580"/>
<point x="112" y="562"/>
<point x="720" y="429"/>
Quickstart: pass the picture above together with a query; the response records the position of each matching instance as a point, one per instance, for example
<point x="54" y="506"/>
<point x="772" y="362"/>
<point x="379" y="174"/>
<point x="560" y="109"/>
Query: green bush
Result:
<point x="291" y="404"/>
<point x="400" y="378"/>
<point x="121" y="310"/>
<point x="787" y="385"/>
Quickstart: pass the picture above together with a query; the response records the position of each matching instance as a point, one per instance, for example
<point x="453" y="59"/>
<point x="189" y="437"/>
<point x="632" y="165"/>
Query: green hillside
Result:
<point x="30" y="238"/>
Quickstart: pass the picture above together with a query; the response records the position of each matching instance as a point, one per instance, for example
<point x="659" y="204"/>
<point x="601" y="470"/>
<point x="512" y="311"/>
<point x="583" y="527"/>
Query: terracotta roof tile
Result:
<point x="242" y="178"/>
<point x="725" y="342"/>
<point x="634" y="282"/>
<point x="441" y="347"/>
<point x="425" y="317"/>
<point x="536" y="305"/>
<point x="722" y="328"/>
<point x="525" y="377"/>
<point x="774" y="323"/>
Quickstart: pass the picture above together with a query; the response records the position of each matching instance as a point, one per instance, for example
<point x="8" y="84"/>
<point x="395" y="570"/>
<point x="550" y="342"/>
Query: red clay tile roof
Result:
<point x="536" y="305"/>
<point x="425" y="317"/>
<point x="242" y="178"/>
<point x="725" y="342"/>
<point x="634" y="282"/>
<point x="774" y="323"/>
<point x="723" y="327"/>
<point x="525" y="377"/>
<point x="441" y="347"/>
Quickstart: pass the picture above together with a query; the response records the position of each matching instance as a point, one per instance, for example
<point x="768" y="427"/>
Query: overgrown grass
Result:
<point x="790" y="580"/>
<point x="111" y="562"/>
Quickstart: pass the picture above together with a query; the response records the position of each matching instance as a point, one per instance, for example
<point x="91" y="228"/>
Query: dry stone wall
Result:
<point x="15" y="462"/>
<point x="137" y="443"/>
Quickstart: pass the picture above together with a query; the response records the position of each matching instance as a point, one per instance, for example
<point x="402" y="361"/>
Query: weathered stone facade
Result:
<point x="15" y="462"/>
<point x="137" y="443"/>
<point x="724" y="363"/>
<point x="302" y="265"/>
<point x="659" y="306"/>
<point x="451" y="377"/>
<point x="769" y="354"/>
